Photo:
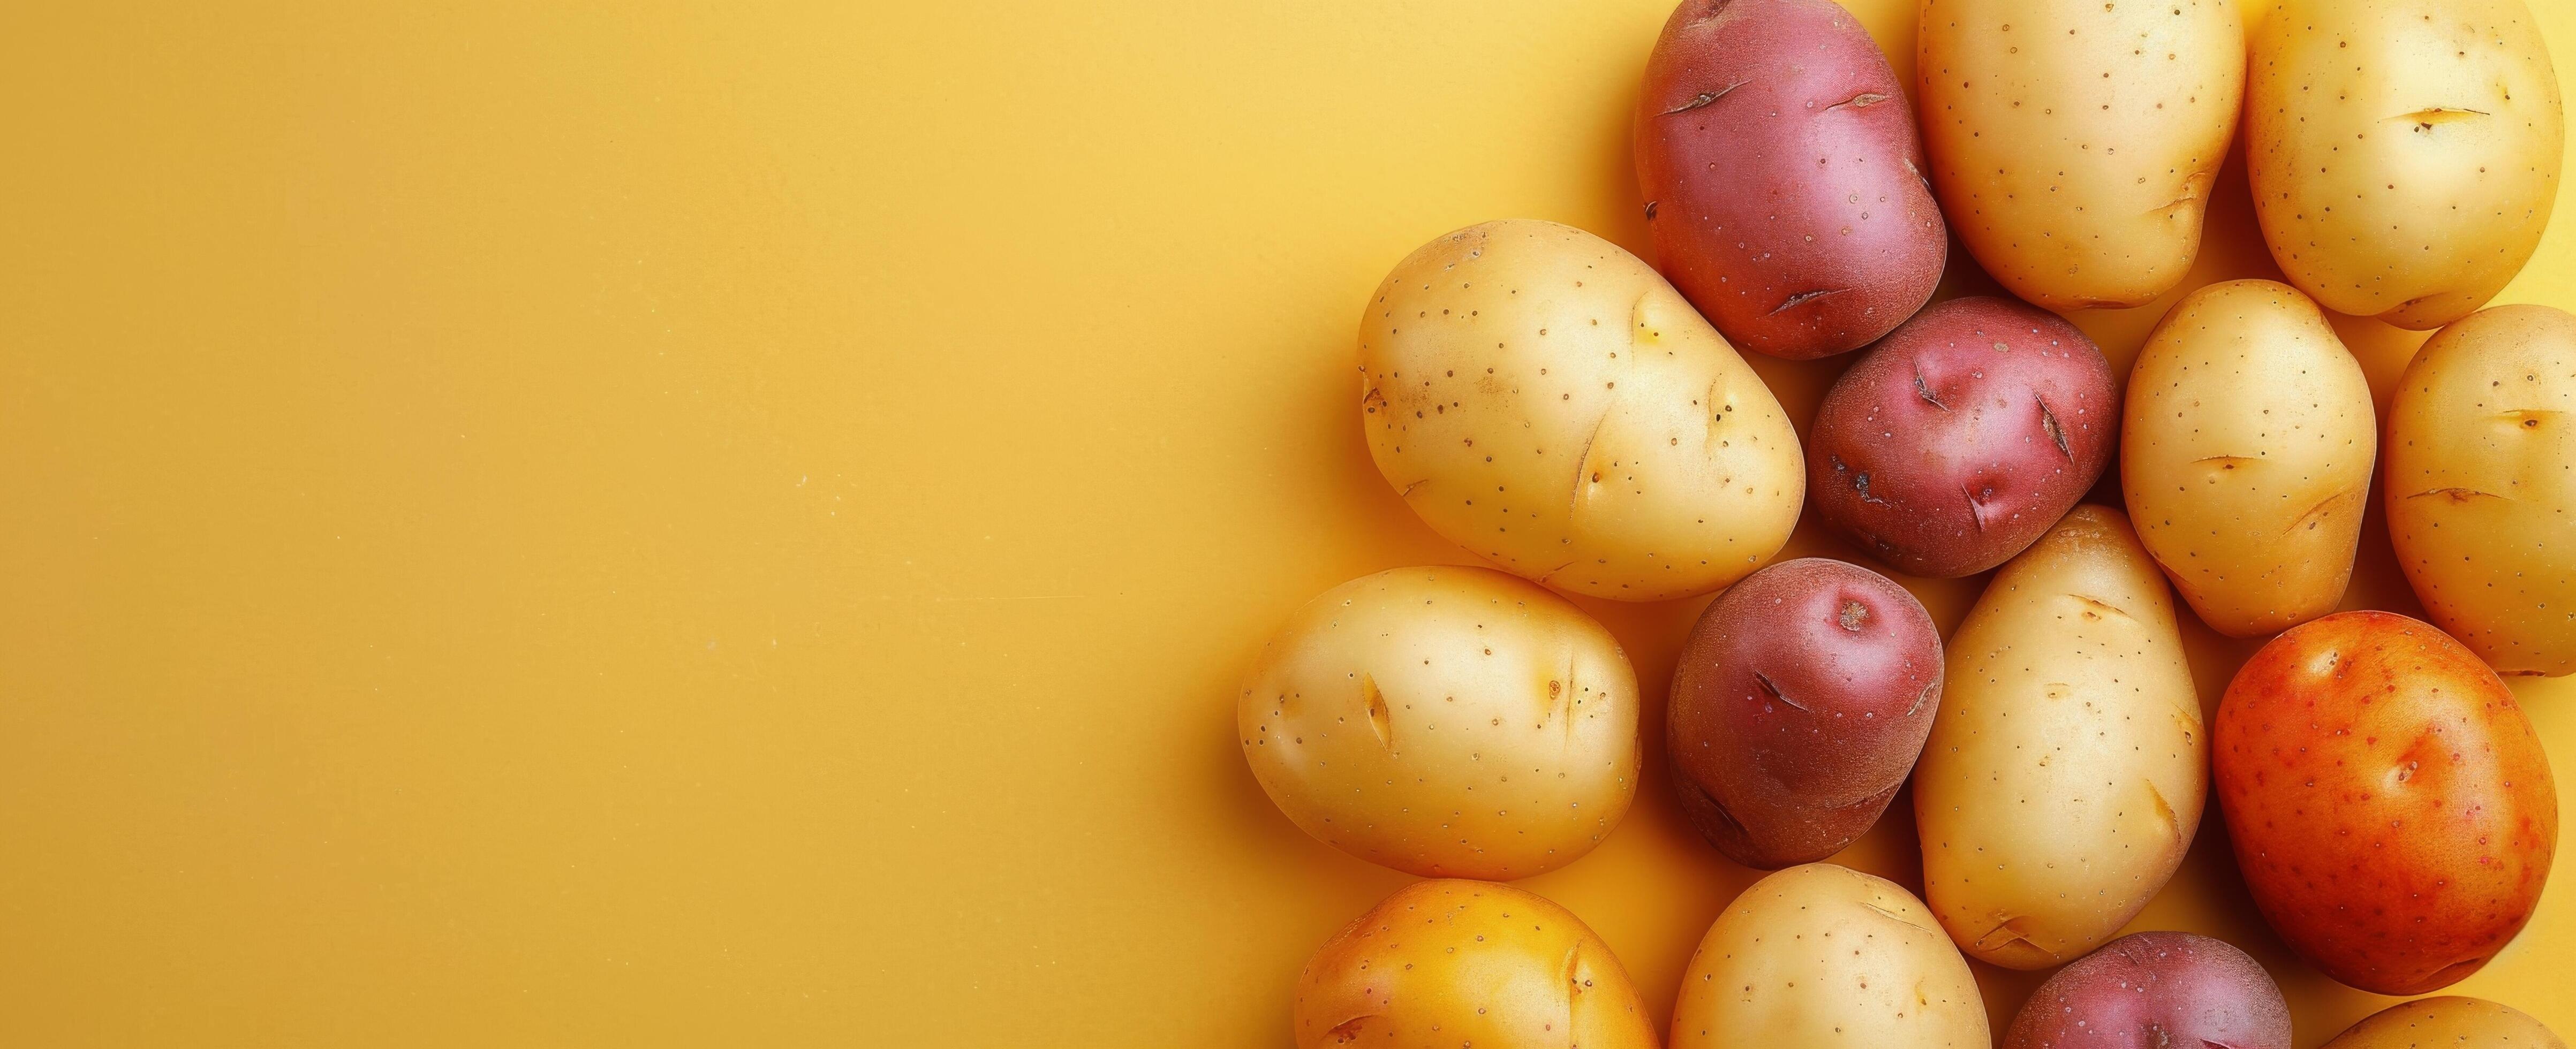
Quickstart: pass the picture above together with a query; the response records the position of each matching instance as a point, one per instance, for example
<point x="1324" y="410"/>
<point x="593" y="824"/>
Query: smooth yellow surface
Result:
<point x="654" y="525"/>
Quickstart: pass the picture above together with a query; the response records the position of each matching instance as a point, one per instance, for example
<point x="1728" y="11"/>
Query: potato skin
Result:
<point x="2479" y="438"/>
<point x="2404" y="154"/>
<point x="2073" y="144"/>
<point x="1544" y="399"/>
<point x="1826" y="955"/>
<point x="2066" y="772"/>
<point x="2390" y="806"/>
<point x="1799" y="703"/>
<point x="1783" y="178"/>
<point x="2152" y="990"/>
<point x="1445" y="963"/>
<point x="2447" y="1023"/>
<point x="2246" y="453"/>
<point x="1445" y="721"/>
<point x="1958" y="440"/>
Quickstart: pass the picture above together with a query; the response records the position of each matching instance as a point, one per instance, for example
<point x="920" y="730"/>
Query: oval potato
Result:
<point x="1826" y="955"/>
<point x="2155" y="990"/>
<point x="1546" y="400"/>
<point x="2403" y="154"/>
<point x="2480" y="435"/>
<point x="2073" y="145"/>
<point x="1445" y="721"/>
<point x="2447" y="1023"/>
<point x="2246" y="452"/>
<point x="2066" y="772"/>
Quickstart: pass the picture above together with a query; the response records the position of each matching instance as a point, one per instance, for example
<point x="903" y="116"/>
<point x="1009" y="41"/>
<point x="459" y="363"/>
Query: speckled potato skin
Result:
<point x="1447" y="722"/>
<point x="1822" y="955"/>
<point x="1544" y="399"/>
<point x="2156" y="990"/>
<point x="2073" y="144"/>
<point x="1955" y="442"/>
<point x="2391" y="808"/>
<point x="1783" y="178"/>
<point x="2481" y="484"/>
<point x="2246" y="453"/>
<point x="1442" y="964"/>
<point x="2066" y="773"/>
<point x="2404" y="154"/>
<point x="2447" y="1023"/>
<point x="1799" y="703"/>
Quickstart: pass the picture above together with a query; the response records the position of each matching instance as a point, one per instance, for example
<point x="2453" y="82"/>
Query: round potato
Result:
<point x="1958" y="440"/>
<point x="1799" y="704"/>
<point x="1445" y="722"/>
<point x="2246" y="451"/>
<point x="1442" y="964"/>
<point x="2480" y="435"/>
<point x="2073" y="144"/>
<point x="1782" y="176"/>
<point x="1544" y="399"/>
<point x="2390" y="806"/>
<point x="1826" y="955"/>
<point x="2403" y="153"/>
<point x="2066" y="772"/>
<point x="2447" y="1023"/>
<point x="2154" y="990"/>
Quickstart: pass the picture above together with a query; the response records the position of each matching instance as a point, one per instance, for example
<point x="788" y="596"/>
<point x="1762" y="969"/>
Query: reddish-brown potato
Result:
<point x="2152" y="990"/>
<point x="1799" y="705"/>
<point x="2390" y="805"/>
<point x="1783" y="176"/>
<point x="1962" y="437"/>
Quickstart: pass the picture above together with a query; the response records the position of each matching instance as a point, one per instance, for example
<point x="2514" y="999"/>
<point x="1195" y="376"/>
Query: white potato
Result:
<point x="1822" y="955"/>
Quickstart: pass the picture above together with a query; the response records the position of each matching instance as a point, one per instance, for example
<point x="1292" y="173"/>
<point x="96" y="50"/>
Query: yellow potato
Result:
<point x="1447" y="722"/>
<point x="2067" y="767"/>
<point x="1442" y="964"/>
<point x="1822" y="955"/>
<point x="2073" y="144"/>
<point x="2480" y="435"/>
<point x="1543" y="398"/>
<point x="2447" y="1023"/>
<point x="2245" y="453"/>
<point x="2404" y="153"/>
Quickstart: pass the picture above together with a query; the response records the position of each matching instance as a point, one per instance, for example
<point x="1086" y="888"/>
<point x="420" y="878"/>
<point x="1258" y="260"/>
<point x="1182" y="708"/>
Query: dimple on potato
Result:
<point x="2066" y="772"/>
<point x="1441" y="964"/>
<point x="2073" y="145"/>
<point x="2246" y="452"/>
<point x="1544" y="399"/>
<point x="1445" y="721"/>
<point x="1826" y="955"/>
<point x="2403" y="154"/>
<point x="2155" y="990"/>
<point x="2448" y="1022"/>
<point x="2479" y="491"/>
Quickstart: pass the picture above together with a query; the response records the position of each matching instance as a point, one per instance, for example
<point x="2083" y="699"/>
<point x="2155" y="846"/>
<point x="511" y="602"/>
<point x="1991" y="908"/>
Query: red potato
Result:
<point x="2391" y="808"/>
<point x="1799" y="705"/>
<point x="1783" y="176"/>
<point x="2151" y="990"/>
<point x="1963" y="437"/>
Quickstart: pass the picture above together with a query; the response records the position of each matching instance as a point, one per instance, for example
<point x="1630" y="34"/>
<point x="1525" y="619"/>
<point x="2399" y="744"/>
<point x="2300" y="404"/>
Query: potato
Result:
<point x="1675" y="474"/>
<point x="1957" y="441"/>
<point x="2245" y="454"/>
<point x="1442" y="964"/>
<point x="2073" y="144"/>
<point x="2403" y="153"/>
<point x="2447" y="1023"/>
<point x="2391" y="808"/>
<point x="2066" y="772"/>
<point x="1825" y="955"/>
<point x="1783" y="181"/>
<point x="1799" y="704"/>
<point x="2480" y="433"/>
<point x="2148" y="990"/>
<point x="1445" y="722"/>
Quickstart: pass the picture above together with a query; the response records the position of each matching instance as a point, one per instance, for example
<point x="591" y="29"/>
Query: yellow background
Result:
<point x="728" y="524"/>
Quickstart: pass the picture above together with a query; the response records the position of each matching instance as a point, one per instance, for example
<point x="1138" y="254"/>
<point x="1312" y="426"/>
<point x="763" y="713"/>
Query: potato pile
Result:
<point x="1586" y="423"/>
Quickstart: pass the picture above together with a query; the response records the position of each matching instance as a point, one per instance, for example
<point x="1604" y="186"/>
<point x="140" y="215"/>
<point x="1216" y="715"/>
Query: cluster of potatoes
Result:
<point x="1583" y="421"/>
